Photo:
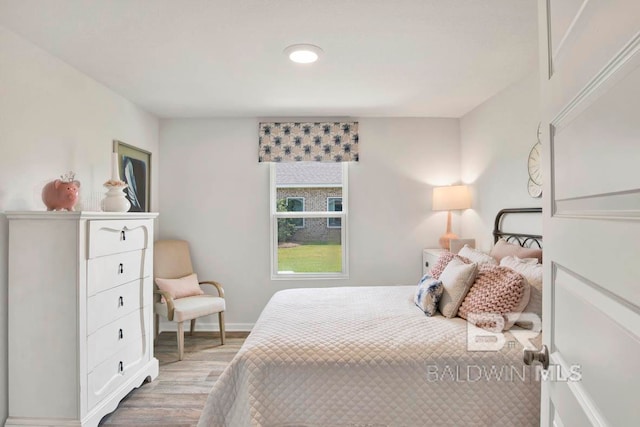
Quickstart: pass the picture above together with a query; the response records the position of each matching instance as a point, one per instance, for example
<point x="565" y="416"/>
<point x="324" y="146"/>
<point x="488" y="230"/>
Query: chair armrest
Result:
<point x="169" y="300"/>
<point x="217" y="285"/>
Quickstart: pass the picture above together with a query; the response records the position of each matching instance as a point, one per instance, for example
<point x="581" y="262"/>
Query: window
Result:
<point x="309" y="220"/>
<point x="334" y="204"/>
<point x="296" y="204"/>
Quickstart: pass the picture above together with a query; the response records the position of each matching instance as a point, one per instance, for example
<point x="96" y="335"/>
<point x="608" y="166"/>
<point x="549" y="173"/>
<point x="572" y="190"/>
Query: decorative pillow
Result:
<point x="428" y="294"/>
<point x="529" y="261"/>
<point x="533" y="275"/>
<point x="456" y="278"/>
<point x="186" y="286"/>
<point x="500" y="294"/>
<point x="503" y="248"/>
<point x="476" y="256"/>
<point x="442" y="262"/>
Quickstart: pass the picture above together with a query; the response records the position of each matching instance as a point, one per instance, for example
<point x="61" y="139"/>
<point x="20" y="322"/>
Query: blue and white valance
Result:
<point x="308" y="142"/>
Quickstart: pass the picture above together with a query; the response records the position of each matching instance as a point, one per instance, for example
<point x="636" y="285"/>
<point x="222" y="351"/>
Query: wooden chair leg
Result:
<point x="180" y="340"/>
<point x="193" y="326"/>
<point x="156" y="327"/>
<point x="221" y="321"/>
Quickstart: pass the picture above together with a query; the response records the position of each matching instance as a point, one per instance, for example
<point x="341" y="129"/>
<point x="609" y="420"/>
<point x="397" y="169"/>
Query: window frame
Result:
<point x="298" y="227"/>
<point x="329" y="219"/>
<point x="275" y="215"/>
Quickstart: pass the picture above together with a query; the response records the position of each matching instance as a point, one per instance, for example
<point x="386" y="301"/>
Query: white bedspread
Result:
<point x="367" y="356"/>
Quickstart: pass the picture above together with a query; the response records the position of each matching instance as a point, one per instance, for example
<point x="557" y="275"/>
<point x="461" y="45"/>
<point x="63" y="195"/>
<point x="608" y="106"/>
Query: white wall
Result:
<point x="54" y="119"/>
<point x="496" y="138"/>
<point x="215" y="194"/>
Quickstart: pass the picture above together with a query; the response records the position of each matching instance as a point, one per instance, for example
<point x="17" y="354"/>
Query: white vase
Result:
<point x="115" y="199"/>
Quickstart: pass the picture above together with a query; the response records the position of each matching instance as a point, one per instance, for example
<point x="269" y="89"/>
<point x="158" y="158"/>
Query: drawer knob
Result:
<point x="123" y="235"/>
<point x="120" y="334"/>
<point x="121" y="367"/>
<point x="121" y="268"/>
<point x="120" y="302"/>
<point x="426" y="264"/>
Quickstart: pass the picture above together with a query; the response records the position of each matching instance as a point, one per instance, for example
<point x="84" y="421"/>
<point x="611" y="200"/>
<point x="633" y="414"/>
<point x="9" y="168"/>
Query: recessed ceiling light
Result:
<point x="303" y="53"/>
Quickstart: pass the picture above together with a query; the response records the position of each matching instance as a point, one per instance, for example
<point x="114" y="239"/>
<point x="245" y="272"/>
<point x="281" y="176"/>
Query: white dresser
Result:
<point x="429" y="258"/>
<point x="80" y="314"/>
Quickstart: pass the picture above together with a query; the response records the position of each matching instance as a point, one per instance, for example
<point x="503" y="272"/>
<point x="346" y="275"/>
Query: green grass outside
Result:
<point x="312" y="258"/>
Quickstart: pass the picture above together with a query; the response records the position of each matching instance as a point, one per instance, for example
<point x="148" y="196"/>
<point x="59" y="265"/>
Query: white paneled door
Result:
<point x="590" y="82"/>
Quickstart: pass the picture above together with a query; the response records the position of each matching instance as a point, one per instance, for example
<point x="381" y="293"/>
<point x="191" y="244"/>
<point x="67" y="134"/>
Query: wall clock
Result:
<point x="534" y="189"/>
<point x="535" y="172"/>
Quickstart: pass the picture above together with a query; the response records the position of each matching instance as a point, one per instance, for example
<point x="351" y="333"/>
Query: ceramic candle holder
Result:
<point x="115" y="199"/>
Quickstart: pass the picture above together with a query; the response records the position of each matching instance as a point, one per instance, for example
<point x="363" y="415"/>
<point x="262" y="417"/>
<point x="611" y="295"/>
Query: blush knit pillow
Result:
<point x="496" y="299"/>
<point x="442" y="262"/>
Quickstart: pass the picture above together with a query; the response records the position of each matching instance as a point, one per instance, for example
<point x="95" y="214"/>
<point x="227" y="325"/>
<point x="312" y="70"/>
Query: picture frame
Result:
<point x="134" y="165"/>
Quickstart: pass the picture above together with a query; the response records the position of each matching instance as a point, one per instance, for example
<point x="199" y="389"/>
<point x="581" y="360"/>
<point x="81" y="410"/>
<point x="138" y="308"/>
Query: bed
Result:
<point x="367" y="356"/>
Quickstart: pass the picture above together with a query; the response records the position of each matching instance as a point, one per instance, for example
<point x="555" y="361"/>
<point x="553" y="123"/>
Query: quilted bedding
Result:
<point x="367" y="356"/>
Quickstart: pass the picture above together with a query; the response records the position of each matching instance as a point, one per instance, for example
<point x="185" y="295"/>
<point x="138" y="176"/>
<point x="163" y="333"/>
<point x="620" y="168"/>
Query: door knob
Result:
<point x="542" y="356"/>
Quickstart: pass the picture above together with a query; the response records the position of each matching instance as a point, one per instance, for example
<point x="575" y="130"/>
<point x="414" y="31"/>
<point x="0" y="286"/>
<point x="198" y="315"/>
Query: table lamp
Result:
<point x="453" y="197"/>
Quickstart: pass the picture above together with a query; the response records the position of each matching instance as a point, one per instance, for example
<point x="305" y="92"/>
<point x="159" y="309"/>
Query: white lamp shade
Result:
<point x="451" y="198"/>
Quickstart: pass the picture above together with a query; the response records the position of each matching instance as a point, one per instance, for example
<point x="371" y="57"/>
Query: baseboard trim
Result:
<point x="207" y="326"/>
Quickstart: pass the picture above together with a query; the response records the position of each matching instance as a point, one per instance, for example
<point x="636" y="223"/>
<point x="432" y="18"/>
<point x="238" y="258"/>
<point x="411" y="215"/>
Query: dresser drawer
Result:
<point x="109" y="271"/>
<point x="429" y="259"/>
<point x="108" y="306"/>
<point x="115" y="336"/>
<point x="108" y="237"/>
<point x="113" y="372"/>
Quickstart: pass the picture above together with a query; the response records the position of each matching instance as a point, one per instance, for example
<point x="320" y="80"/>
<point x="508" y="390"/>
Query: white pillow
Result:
<point x="533" y="274"/>
<point x="532" y="261"/>
<point x="477" y="256"/>
<point x="502" y="248"/>
<point x="456" y="278"/>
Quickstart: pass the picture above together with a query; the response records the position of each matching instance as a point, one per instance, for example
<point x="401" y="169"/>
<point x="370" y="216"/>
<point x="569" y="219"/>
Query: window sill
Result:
<point x="309" y="276"/>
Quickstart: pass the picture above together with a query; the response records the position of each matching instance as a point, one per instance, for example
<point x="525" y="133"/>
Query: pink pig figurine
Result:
<point x="59" y="194"/>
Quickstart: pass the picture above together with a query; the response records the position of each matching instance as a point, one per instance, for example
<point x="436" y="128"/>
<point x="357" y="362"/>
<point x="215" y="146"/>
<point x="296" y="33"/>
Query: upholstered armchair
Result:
<point x="182" y="299"/>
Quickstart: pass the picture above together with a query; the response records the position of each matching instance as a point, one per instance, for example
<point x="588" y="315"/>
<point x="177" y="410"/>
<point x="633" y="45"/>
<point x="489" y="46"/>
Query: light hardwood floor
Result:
<point x="177" y="396"/>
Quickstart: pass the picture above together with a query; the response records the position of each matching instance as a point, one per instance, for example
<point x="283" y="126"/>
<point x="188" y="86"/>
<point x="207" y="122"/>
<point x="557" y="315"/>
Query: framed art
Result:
<point x="135" y="169"/>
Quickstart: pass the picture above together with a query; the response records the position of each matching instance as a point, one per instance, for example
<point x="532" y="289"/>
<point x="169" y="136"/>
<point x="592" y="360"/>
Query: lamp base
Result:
<point x="445" y="240"/>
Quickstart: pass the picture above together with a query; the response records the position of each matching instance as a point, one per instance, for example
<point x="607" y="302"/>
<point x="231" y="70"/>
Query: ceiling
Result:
<point x="204" y="58"/>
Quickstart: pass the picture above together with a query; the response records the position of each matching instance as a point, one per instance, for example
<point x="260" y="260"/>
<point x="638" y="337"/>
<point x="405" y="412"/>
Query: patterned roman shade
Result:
<point x="308" y="142"/>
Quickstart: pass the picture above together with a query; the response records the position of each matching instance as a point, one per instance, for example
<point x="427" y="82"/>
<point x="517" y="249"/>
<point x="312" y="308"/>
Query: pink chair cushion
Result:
<point x="186" y="286"/>
<point x="193" y="307"/>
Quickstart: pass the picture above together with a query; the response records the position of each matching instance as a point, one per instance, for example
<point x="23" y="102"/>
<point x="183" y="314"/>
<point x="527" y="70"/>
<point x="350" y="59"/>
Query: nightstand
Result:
<point x="429" y="258"/>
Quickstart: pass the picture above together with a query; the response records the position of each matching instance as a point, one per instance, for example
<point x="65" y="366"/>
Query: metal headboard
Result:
<point x="524" y="240"/>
